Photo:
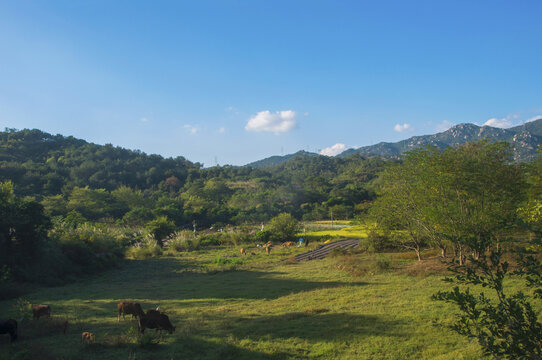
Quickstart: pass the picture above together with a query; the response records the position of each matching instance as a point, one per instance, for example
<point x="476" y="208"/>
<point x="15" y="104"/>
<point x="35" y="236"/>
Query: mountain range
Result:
<point x="523" y="139"/>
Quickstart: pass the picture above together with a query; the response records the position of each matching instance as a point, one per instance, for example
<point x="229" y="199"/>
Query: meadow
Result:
<point x="228" y="306"/>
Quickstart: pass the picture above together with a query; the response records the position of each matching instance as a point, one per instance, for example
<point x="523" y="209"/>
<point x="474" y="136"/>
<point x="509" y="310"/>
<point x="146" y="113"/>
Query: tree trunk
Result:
<point x="418" y="253"/>
<point x="443" y="251"/>
<point x="461" y="256"/>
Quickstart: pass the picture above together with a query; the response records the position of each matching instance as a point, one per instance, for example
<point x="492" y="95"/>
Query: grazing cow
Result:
<point x="40" y="310"/>
<point x="287" y="244"/>
<point x="87" y="337"/>
<point x="9" y="326"/>
<point x="155" y="321"/>
<point x="153" y="312"/>
<point x="128" y="307"/>
<point x="243" y="252"/>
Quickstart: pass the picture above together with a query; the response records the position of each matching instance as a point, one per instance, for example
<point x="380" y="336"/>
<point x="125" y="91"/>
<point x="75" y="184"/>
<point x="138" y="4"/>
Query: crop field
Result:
<point x="343" y="230"/>
<point x="228" y="306"/>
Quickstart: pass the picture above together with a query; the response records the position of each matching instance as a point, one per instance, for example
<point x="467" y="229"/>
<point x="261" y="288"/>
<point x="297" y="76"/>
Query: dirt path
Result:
<point x="324" y="250"/>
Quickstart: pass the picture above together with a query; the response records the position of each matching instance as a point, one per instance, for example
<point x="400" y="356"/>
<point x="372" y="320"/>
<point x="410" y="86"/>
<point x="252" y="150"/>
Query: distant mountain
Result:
<point x="277" y="160"/>
<point x="524" y="140"/>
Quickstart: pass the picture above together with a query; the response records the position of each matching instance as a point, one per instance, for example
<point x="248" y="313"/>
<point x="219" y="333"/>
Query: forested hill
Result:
<point x="42" y="164"/>
<point x="524" y="140"/>
<point x="277" y="160"/>
<point x="103" y="183"/>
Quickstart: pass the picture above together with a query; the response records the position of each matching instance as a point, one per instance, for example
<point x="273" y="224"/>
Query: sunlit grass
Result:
<point x="354" y="231"/>
<point x="229" y="306"/>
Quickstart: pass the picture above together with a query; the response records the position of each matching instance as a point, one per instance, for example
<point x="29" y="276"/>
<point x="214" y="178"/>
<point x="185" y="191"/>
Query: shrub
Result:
<point x="284" y="227"/>
<point x="88" y="246"/>
<point x="146" y="249"/>
<point x="262" y="237"/>
<point x="160" y="228"/>
<point x="183" y="241"/>
<point x="209" y="239"/>
<point x="376" y="242"/>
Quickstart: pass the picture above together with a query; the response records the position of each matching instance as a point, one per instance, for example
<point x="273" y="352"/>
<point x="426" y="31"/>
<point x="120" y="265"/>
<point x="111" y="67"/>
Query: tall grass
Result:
<point x="182" y="241"/>
<point x="146" y="248"/>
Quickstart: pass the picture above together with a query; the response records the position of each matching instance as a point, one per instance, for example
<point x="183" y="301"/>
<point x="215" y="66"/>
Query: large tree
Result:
<point x="464" y="195"/>
<point x="23" y="228"/>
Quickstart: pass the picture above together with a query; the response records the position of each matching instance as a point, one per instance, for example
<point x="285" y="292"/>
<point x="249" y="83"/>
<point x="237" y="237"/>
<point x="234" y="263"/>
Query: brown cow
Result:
<point x="9" y="326"/>
<point x="40" y="310"/>
<point x="87" y="337"/>
<point x="155" y="321"/>
<point x="128" y="307"/>
<point x="287" y="244"/>
<point x="243" y="252"/>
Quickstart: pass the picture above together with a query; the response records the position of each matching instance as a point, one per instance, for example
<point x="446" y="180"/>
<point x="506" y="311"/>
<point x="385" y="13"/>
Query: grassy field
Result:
<point x="226" y="306"/>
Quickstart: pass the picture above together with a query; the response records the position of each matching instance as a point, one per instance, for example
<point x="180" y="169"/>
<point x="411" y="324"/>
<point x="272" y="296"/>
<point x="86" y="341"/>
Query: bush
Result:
<point x="375" y="242"/>
<point x="209" y="239"/>
<point x="262" y="237"/>
<point x="183" y="241"/>
<point x="234" y="238"/>
<point x="87" y="246"/>
<point x="284" y="227"/>
<point x="146" y="249"/>
<point x="160" y="228"/>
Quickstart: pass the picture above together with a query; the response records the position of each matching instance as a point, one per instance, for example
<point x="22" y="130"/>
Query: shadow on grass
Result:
<point x="312" y="326"/>
<point x="166" y="279"/>
<point x="185" y="348"/>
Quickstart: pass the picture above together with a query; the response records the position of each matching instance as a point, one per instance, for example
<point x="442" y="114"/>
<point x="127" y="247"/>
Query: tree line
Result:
<point x="90" y="182"/>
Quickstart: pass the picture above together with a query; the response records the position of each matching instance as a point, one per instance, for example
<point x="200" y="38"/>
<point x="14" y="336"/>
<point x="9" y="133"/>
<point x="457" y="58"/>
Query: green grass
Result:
<point x="229" y="306"/>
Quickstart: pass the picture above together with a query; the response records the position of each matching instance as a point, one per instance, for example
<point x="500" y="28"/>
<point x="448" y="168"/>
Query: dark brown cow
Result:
<point x="41" y="310"/>
<point x="152" y="312"/>
<point x="155" y="321"/>
<point x="9" y="326"/>
<point x="129" y="308"/>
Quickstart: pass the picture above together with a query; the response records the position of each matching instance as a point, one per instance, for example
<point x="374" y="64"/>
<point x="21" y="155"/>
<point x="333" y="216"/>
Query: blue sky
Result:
<point x="237" y="81"/>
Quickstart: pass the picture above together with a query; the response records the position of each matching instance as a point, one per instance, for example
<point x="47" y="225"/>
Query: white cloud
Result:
<point x="278" y="122"/>
<point x="334" y="149"/>
<point x="534" y="118"/>
<point x="143" y="119"/>
<point x="305" y="114"/>
<point x="191" y="129"/>
<point x="222" y="130"/>
<point x="402" y="128"/>
<point x="499" y="123"/>
<point x="443" y="126"/>
<point x="232" y="109"/>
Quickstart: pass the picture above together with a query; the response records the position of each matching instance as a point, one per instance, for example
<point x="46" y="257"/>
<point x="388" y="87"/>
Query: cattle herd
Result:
<point x="152" y="319"/>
